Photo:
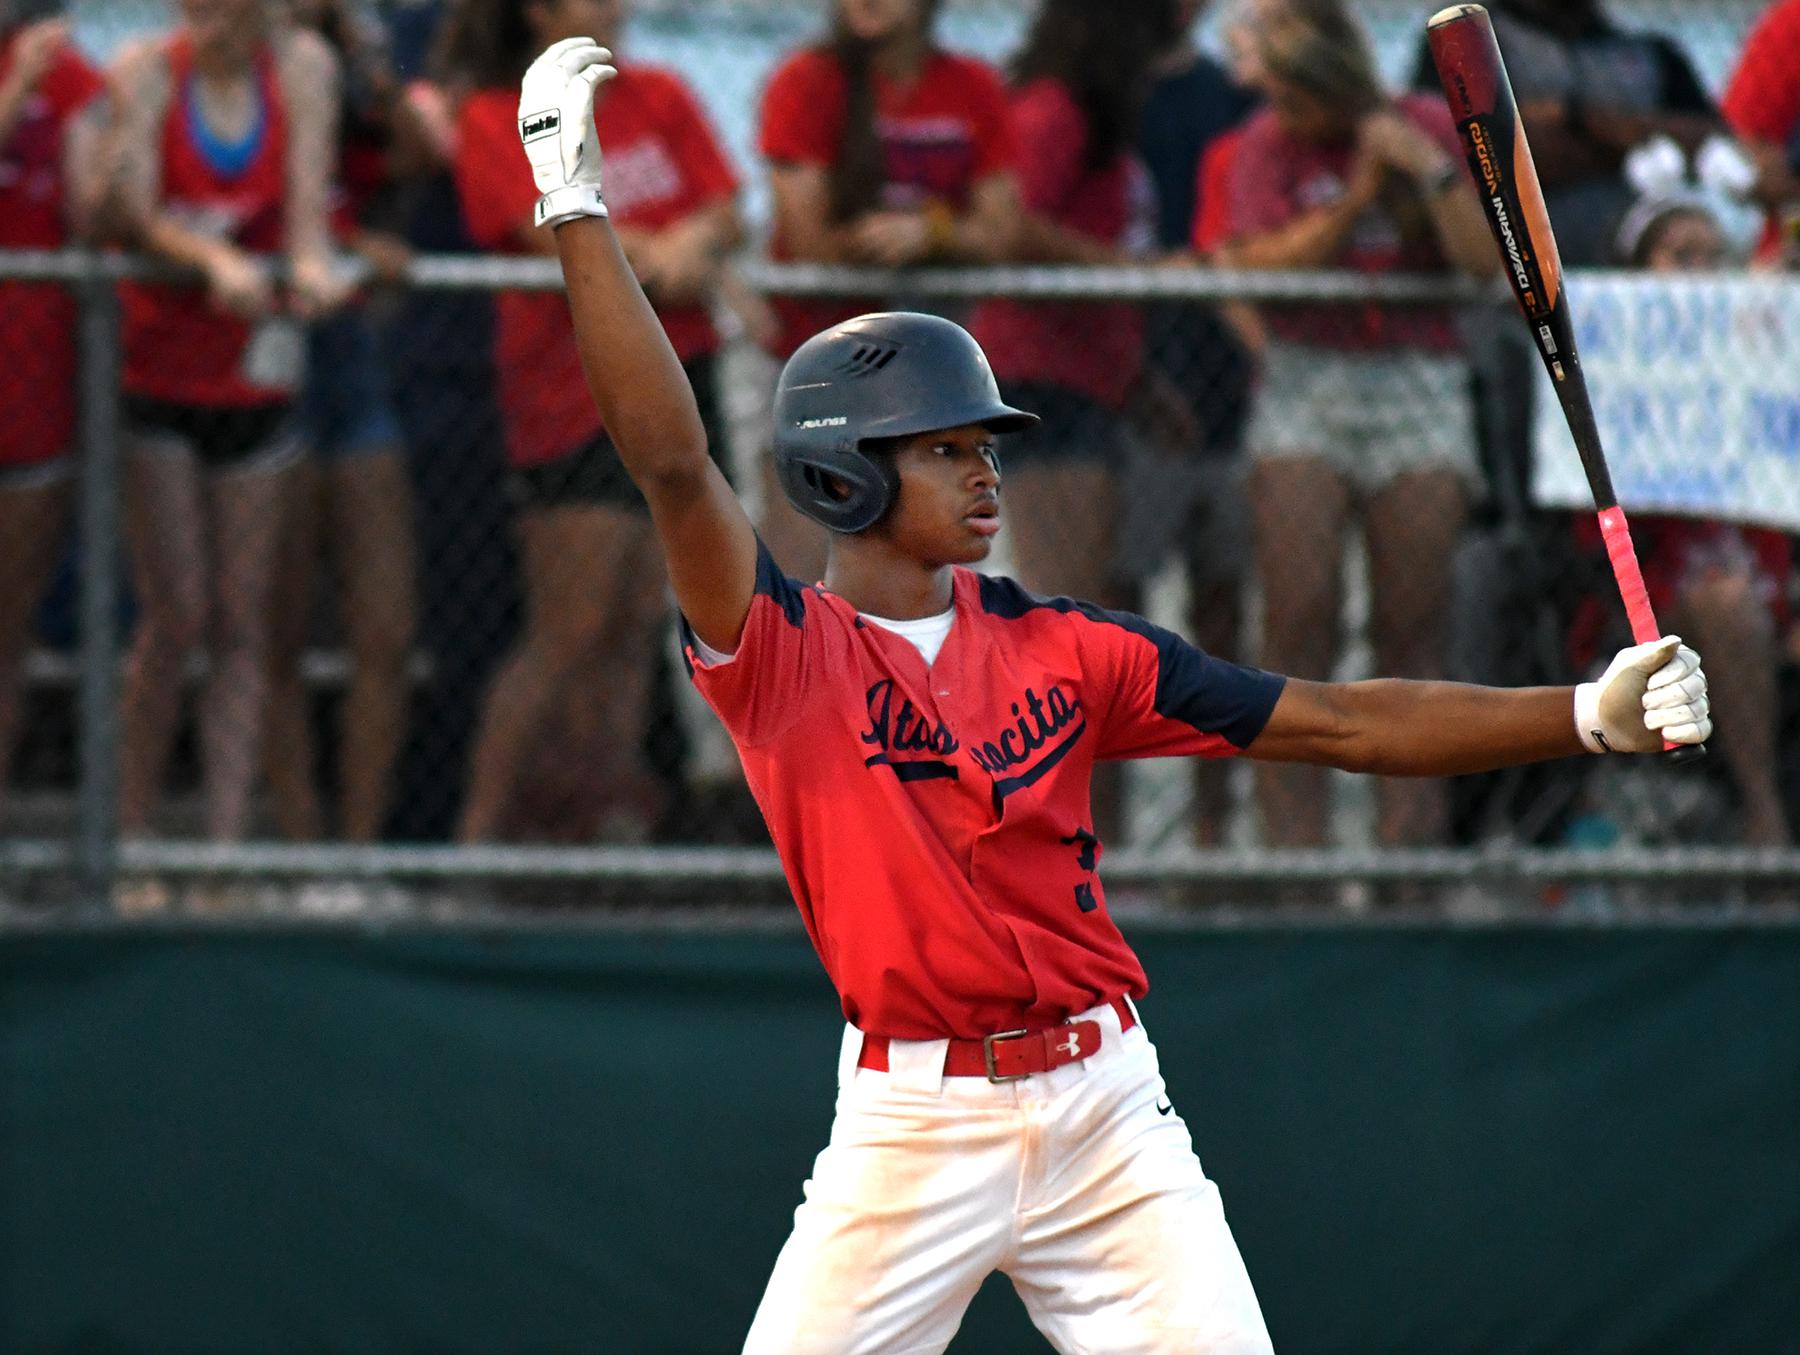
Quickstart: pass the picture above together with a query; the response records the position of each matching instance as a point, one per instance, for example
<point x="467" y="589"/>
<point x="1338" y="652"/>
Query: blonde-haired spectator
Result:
<point x="1362" y="412"/>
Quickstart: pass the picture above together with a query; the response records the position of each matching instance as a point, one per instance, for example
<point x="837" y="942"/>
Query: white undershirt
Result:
<point x="926" y="634"/>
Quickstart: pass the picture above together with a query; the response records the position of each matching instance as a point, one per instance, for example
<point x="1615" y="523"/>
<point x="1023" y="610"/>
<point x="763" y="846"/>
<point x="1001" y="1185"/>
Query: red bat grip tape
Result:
<point x="1624" y="559"/>
<point x="1631" y="579"/>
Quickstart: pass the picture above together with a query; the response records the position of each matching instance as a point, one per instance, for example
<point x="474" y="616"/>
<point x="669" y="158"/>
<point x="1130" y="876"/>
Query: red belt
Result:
<point x="1011" y="1054"/>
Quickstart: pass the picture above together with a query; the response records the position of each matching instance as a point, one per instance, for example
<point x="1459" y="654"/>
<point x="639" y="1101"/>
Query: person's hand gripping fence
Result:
<point x="556" y="126"/>
<point x="1649" y="693"/>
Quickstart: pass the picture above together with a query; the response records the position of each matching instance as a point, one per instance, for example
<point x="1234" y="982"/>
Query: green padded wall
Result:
<point x="1534" y="1139"/>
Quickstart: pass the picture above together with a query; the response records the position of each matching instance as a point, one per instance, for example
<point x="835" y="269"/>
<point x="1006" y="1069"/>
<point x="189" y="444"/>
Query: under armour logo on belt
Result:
<point x="1071" y="1046"/>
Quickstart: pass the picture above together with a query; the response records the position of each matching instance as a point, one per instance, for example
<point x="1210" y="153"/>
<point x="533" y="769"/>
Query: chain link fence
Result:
<point x="406" y="626"/>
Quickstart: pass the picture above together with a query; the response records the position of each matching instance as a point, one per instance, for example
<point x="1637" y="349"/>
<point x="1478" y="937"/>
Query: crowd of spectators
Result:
<point x="423" y="476"/>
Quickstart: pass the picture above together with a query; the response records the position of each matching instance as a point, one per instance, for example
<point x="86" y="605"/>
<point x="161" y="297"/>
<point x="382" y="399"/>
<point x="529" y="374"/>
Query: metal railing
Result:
<point x="97" y="857"/>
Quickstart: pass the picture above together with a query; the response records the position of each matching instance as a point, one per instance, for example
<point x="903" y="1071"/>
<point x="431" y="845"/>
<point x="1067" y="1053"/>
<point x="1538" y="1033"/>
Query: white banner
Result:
<point x="1696" y="389"/>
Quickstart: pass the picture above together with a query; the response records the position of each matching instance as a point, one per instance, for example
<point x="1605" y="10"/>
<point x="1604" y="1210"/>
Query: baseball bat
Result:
<point x="1467" y="56"/>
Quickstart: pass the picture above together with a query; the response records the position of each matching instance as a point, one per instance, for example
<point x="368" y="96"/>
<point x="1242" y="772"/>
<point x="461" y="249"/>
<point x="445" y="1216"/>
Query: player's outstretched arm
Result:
<point x="644" y="397"/>
<point x="1649" y="693"/>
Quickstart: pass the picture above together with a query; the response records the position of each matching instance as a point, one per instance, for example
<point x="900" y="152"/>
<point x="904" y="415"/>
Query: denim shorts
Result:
<point x="1374" y="416"/>
<point x="345" y="409"/>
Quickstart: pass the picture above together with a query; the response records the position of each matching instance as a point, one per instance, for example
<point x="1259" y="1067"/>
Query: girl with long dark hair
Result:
<point x="1079" y="86"/>
<point x="886" y="149"/>
<point x="596" y="599"/>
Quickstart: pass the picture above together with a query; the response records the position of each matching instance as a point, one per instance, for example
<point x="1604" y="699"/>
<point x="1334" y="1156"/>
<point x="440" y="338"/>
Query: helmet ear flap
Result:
<point x="842" y="488"/>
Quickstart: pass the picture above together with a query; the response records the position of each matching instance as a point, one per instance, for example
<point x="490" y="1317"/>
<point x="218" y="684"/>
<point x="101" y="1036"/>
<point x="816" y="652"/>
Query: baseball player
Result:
<point x="920" y="739"/>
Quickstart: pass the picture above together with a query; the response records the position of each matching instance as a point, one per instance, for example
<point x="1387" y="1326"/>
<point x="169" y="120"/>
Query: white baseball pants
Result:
<point x="1076" y="1183"/>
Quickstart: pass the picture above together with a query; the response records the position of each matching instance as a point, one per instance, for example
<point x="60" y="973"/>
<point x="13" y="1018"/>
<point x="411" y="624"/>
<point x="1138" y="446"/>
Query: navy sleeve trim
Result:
<point x="788" y="594"/>
<point x="1210" y="694"/>
<point x="1006" y="599"/>
<point x="1207" y="694"/>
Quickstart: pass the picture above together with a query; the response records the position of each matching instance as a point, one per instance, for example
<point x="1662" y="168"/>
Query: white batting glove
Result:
<point x="1648" y="694"/>
<point x="556" y="125"/>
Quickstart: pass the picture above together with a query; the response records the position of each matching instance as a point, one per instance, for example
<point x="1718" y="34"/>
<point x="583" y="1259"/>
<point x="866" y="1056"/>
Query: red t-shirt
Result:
<point x="1212" y="221"/>
<point x="37" y="346"/>
<point x="1762" y="100"/>
<point x="940" y="136"/>
<point x="1273" y="178"/>
<point x="934" y="823"/>
<point x="1031" y="341"/>
<point x="662" y="164"/>
<point x="178" y="347"/>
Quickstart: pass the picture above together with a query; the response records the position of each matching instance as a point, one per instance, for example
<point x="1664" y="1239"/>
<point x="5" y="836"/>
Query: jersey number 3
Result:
<point x="1086" y="856"/>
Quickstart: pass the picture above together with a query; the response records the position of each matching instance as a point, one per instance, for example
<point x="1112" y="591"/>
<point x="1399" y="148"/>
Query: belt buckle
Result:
<point x="987" y="1053"/>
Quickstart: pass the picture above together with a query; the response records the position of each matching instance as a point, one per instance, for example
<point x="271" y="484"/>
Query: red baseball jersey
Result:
<point x="934" y="822"/>
<point x="37" y="348"/>
<point x="177" y="346"/>
<point x="662" y="163"/>
<point x="940" y="136"/>
<point x="1030" y="340"/>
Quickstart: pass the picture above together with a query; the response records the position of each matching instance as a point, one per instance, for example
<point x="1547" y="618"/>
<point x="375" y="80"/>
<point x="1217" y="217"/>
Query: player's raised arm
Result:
<point x="1650" y="692"/>
<point x="644" y="397"/>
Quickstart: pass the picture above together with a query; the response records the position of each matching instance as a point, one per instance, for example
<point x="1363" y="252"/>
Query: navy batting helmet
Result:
<point x="888" y="375"/>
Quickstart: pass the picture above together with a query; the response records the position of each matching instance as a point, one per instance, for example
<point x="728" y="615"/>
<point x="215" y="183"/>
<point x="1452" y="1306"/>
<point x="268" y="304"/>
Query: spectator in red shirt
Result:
<point x="351" y="497"/>
<point x="1079" y="88"/>
<point x="50" y="129"/>
<point x="223" y="151"/>
<point x="1762" y="106"/>
<point x="596" y="599"/>
<point x="883" y="149"/>
<point x="1361" y="412"/>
